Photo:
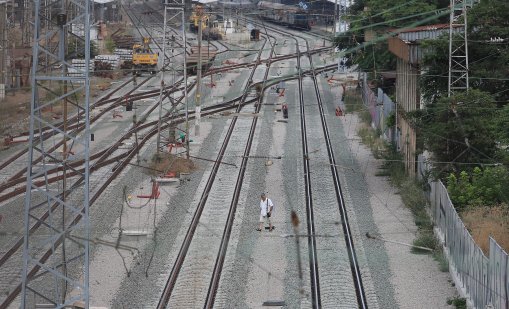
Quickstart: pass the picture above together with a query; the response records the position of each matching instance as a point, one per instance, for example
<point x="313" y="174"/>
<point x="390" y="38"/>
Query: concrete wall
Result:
<point x="407" y="144"/>
<point x="407" y="86"/>
<point x="408" y="99"/>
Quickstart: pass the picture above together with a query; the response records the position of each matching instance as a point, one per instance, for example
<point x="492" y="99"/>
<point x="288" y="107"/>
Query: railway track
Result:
<point x="313" y="260"/>
<point x="120" y="162"/>
<point x="175" y="295"/>
<point x="179" y="296"/>
<point x="14" y="174"/>
<point x="348" y="237"/>
<point x="73" y="124"/>
<point x="103" y="159"/>
<point x="106" y="158"/>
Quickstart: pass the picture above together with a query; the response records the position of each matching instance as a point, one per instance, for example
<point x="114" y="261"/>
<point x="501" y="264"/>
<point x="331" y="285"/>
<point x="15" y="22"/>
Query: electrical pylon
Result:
<point x="56" y="256"/>
<point x="174" y="16"/>
<point x="458" y="46"/>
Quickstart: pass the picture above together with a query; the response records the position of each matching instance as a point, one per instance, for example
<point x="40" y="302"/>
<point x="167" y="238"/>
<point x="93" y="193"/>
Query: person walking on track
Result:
<point x="266" y="207"/>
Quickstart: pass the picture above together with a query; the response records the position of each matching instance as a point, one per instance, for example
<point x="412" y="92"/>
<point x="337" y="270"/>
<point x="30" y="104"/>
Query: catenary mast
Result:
<point x="56" y="257"/>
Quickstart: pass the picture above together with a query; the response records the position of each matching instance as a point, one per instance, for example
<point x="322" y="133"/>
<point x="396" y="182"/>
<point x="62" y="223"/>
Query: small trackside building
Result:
<point x="405" y="45"/>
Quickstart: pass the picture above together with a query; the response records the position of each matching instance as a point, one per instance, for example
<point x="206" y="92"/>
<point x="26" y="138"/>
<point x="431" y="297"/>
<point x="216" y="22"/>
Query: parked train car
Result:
<point x="288" y="15"/>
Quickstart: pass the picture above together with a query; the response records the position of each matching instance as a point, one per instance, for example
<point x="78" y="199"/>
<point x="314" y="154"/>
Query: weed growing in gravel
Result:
<point x="353" y="101"/>
<point x="163" y="163"/>
<point x="458" y="302"/>
<point x="367" y="136"/>
<point x="370" y="137"/>
<point x="426" y="240"/>
<point x="413" y="197"/>
<point x="365" y="117"/>
<point x="443" y="263"/>
<point x="393" y="166"/>
<point x="411" y="191"/>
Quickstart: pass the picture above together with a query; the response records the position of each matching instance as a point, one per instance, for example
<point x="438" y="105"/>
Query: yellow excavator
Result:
<point x="144" y="59"/>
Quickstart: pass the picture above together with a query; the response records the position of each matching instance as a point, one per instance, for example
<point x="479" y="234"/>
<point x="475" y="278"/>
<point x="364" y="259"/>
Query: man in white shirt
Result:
<point x="266" y="207"/>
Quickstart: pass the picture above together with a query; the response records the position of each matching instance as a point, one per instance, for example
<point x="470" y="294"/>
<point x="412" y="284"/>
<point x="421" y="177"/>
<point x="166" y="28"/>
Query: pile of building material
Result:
<point x="124" y="54"/>
<point x="113" y="60"/>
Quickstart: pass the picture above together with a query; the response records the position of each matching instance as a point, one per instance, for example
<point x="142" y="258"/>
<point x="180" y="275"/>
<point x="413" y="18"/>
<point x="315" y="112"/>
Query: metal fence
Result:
<point x="484" y="280"/>
<point x="380" y="107"/>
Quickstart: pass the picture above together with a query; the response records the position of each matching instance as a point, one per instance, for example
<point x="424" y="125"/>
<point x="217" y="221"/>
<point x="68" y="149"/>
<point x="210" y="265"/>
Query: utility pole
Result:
<point x="161" y="85"/>
<point x="335" y="16"/>
<point x="56" y="260"/>
<point x="25" y="25"/>
<point x="3" y="47"/>
<point x="199" y="13"/>
<point x="186" y="101"/>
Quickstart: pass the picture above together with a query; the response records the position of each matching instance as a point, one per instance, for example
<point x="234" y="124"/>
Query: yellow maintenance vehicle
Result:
<point x="195" y="19"/>
<point x="144" y="59"/>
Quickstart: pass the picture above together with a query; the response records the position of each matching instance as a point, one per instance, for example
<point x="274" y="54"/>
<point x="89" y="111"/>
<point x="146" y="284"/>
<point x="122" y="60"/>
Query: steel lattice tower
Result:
<point x="56" y="256"/>
<point x="458" y="46"/>
<point x="174" y="16"/>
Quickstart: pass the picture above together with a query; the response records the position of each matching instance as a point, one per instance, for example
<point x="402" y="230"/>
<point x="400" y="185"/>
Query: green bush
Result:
<point x="479" y="187"/>
<point x="110" y="45"/>
<point x="365" y="117"/>
<point x="458" y="302"/>
<point x="394" y="166"/>
<point x="443" y="263"/>
<point x="353" y="101"/>
<point x="426" y="240"/>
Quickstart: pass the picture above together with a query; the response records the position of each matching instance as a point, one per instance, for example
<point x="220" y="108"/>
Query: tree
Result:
<point x="488" y="21"/>
<point x="76" y="48"/>
<point x="433" y="83"/>
<point x="502" y="125"/>
<point x="486" y="187"/>
<point x="459" y="129"/>
<point x="378" y="17"/>
<point x="488" y="58"/>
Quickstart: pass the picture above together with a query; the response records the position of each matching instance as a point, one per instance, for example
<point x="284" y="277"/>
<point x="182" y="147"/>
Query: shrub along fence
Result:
<point x="484" y="280"/>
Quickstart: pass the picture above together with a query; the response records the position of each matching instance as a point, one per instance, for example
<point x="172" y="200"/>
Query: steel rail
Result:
<point x="153" y="93"/>
<point x="76" y="129"/>
<point x="223" y="247"/>
<point x="71" y="120"/>
<point x="18" y="177"/>
<point x="354" y="266"/>
<point x="206" y="111"/>
<point x="224" y="106"/>
<point x="313" y="260"/>
<point x="179" y="261"/>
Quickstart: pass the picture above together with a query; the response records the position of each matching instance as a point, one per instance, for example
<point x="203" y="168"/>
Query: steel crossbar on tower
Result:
<point x="57" y="227"/>
<point x="458" y="46"/>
